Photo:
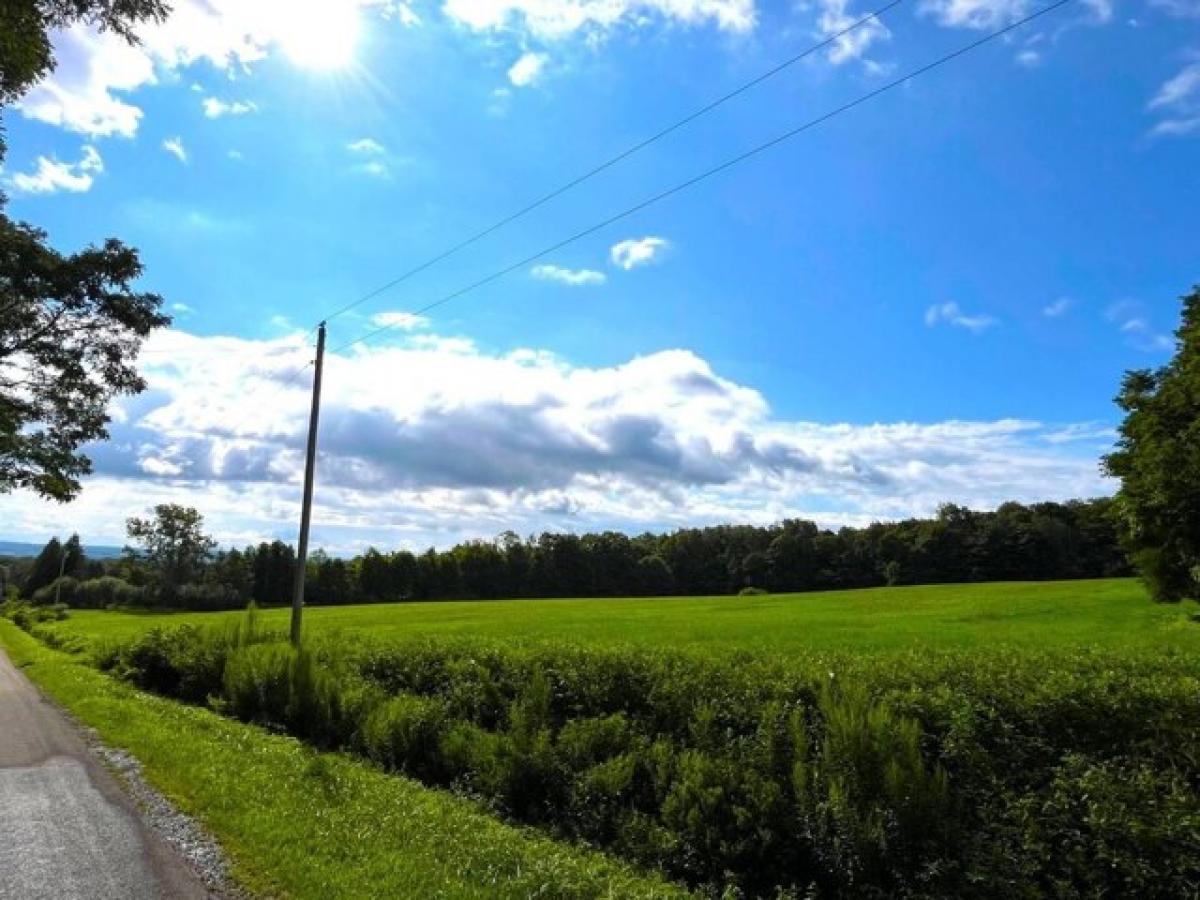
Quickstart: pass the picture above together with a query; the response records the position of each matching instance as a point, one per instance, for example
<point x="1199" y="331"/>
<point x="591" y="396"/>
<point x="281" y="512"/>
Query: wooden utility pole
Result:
<point x="310" y="463"/>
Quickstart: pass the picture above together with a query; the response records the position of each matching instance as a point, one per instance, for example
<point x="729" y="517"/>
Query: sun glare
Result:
<point x="320" y="34"/>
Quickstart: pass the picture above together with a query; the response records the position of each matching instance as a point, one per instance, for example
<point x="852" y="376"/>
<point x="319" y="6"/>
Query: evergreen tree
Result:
<point x="45" y="568"/>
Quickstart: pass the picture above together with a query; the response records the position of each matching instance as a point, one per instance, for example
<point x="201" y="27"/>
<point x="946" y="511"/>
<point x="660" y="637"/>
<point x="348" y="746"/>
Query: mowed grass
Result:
<point x="304" y="824"/>
<point x="1113" y="613"/>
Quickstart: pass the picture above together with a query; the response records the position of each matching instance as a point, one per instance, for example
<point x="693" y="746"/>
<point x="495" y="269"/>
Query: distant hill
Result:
<point x="18" y="548"/>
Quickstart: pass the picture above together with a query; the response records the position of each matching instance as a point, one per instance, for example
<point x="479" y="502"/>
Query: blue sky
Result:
<point x="929" y="298"/>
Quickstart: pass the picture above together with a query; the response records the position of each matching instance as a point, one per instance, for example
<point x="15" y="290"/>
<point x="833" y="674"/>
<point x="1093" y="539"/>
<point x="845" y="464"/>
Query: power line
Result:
<point x="729" y="163"/>
<point x="612" y="161"/>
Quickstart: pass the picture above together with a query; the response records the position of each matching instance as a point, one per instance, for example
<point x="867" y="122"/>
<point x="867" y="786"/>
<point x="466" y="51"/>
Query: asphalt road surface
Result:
<point x="67" y="830"/>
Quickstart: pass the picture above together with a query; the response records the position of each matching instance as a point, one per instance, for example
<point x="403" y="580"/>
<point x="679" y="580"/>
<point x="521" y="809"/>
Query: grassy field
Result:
<point x="299" y="823"/>
<point x="989" y="740"/>
<point x="1114" y="614"/>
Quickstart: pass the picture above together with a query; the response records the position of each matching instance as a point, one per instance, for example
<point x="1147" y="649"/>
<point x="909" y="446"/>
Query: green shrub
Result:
<point x="61" y="590"/>
<point x="997" y="774"/>
<point x="106" y="592"/>
<point x="405" y="734"/>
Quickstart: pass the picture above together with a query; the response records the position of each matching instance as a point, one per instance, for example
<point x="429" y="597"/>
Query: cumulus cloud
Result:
<point x="175" y="147"/>
<point x="549" y="19"/>
<point x="528" y="69"/>
<point x="50" y="176"/>
<point x="950" y="314"/>
<point x="432" y="440"/>
<point x="89" y="90"/>
<point x="571" y="277"/>
<point x="80" y="94"/>
<point x="214" y="107"/>
<point x="631" y="253"/>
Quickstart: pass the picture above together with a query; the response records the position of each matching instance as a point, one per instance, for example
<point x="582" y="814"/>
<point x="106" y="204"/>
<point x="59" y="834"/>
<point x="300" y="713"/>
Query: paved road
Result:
<point x="67" y="830"/>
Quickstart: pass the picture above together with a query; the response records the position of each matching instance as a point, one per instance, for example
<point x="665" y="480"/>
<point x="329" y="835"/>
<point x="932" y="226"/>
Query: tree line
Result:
<point x="177" y="566"/>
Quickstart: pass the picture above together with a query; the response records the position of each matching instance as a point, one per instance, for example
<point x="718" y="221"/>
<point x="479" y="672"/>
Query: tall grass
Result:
<point x="924" y="775"/>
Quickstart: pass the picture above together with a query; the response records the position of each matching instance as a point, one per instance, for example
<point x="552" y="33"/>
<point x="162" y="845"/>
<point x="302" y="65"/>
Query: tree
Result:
<point x="45" y="567"/>
<point x="70" y="325"/>
<point x="1158" y="461"/>
<point x="25" y="25"/>
<point x="173" y="544"/>
<point x="70" y="328"/>
<point x="76" y="560"/>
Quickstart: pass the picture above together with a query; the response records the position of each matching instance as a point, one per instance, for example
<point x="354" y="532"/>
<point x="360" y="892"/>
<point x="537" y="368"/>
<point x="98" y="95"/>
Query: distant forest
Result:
<point x="1016" y="542"/>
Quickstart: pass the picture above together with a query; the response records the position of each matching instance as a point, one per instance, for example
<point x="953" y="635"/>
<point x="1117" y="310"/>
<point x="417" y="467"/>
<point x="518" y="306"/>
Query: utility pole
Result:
<point x="310" y="463"/>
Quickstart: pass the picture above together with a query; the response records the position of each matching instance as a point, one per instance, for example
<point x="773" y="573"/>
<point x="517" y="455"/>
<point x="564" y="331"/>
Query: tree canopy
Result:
<point x="71" y="325"/>
<point x="173" y="543"/>
<point x="26" y="54"/>
<point x="1158" y="461"/>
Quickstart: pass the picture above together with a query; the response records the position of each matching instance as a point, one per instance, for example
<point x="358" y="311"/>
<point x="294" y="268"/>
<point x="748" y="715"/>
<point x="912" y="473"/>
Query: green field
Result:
<point x="1114" y="614"/>
<point x="989" y="740"/>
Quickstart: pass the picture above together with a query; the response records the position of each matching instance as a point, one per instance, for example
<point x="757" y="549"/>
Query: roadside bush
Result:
<point x="106" y="592"/>
<point x="405" y="734"/>
<point x="1008" y="773"/>
<point x="26" y="616"/>
<point x="61" y="590"/>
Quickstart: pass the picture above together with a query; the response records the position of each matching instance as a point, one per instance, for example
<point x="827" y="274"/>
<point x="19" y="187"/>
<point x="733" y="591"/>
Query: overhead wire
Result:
<point x="721" y="167"/>
<point x="619" y="157"/>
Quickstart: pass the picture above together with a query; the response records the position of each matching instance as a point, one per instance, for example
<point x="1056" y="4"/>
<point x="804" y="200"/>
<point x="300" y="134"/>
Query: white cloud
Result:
<point x="528" y="69"/>
<point x="214" y="108"/>
<point x="366" y="146"/>
<point x="984" y="15"/>
<point x="1028" y="58"/>
<point x="1177" y="101"/>
<point x="1180" y="127"/>
<point x="375" y="168"/>
<point x="950" y="314"/>
<point x="175" y="147"/>
<point x="432" y="440"/>
<point x="572" y="277"/>
<point x="51" y="176"/>
<point x="1129" y="318"/>
<point x="1102" y="10"/>
<point x="549" y="19"/>
<point x="1180" y="9"/>
<point x="181" y="308"/>
<point x="375" y="154"/>
<point x="404" y="321"/>
<point x="835" y="17"/>
<point x="1057" y="308"/>
<point x="89" y="90"/>
<point x="637" y="252"/>
<point x="1180" y="88"/>
<point x="79" y="94"/>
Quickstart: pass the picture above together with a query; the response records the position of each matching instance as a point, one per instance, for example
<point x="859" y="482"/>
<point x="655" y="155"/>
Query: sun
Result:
<point x="320" y="34"/>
